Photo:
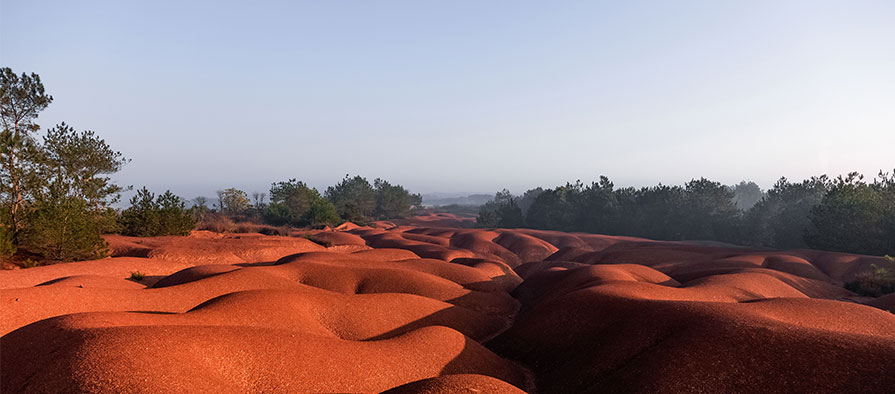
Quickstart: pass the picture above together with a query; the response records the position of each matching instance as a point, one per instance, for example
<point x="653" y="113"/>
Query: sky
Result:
<point x="466" y="96"/>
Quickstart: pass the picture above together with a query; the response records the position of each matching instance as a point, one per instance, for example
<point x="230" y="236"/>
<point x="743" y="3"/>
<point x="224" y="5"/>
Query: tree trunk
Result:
<point x="16" y="192"/>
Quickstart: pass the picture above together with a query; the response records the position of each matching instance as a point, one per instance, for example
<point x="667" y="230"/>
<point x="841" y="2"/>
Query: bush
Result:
<point x="354" y="199"/>
<point x="500" y="212"/>
<point x="64" y="230"/>
<point x="394" y="201"/>
<point x="174" y="218"/>
<point x="216" y="222"/>
<point x="874" y="283"/>
<point x="323" y="213"/>
<point x="149" y="216"/>
<point x="7" y="243"/>
<point x="137" y="276"/>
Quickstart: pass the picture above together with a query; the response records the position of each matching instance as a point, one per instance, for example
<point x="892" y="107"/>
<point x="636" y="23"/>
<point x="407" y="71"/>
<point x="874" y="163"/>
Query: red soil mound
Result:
<point x="438" y="220"/>
<point x="601" y="328"/>
<point x="190" y="359"/>
<point x="337" y="238"/>
<point x="222" y="249"/>
<point x="116" y="267"/>
<point x="95" y="282"/>
<point x="408" y="311"/>
<point x="526" y="247"/>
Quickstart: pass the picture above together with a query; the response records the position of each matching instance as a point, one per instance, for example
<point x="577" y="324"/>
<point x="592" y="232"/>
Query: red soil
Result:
<point x="416" y="309"/>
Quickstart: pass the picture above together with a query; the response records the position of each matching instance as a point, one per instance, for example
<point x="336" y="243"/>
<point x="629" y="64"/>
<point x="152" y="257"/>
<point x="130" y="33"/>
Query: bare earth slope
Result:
<point x="411" y="308"/>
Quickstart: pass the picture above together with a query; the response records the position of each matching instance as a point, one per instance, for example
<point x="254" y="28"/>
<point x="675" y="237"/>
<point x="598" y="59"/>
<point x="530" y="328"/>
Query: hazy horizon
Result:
<point x="463" y="96"/>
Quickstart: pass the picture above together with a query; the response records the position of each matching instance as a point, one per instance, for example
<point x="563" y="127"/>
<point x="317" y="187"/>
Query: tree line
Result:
<point x="57" y="199"/>
<point x="846" y="213"/>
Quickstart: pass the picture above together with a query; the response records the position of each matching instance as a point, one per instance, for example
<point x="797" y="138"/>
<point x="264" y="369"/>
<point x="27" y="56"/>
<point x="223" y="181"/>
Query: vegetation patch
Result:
<point x="874" y="283"/>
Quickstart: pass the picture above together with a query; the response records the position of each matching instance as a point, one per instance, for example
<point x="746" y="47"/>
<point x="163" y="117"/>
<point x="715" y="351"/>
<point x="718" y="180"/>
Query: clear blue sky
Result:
<point x="467" y="96"/>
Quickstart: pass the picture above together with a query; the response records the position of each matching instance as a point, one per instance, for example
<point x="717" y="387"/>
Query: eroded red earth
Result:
<point x="423" y="309"/>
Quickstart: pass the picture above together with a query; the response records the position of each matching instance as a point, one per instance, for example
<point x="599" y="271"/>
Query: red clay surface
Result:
<point x="415" y="308"/>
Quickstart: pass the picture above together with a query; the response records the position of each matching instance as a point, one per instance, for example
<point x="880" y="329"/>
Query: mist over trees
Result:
<point x="844" y="214"/>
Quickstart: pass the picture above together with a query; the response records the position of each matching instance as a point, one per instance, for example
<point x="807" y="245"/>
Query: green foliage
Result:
<point x="702" y="209"/>
<point x="393" y="201"/>
<point x="63" y="228"/>
<point x="323" y="213"/>
<point x="290" y="203"/>
<point x="557" y="209"/>
<point x="710" y="210"/>
<point x="55" y="193"/>
<point x="137" y="276"/>
<point x="294" y="203"/>
<point x="876" y="282"/>
<point x="21" y="99"/>
<point x="76" y="162"/>
<point x="7" y="242"/>
<point x="502" y="211"/>
<point x="855" y="216"/>
<point x="233" y="201"/>
<point x="354" y="199"/>
<point x="780" y="219"/>
<point x="174" y="218"/>
<point x="71" y="208"/>
<point x="141" y="219"/>
<point x="528" y="198"/>
<point x="30" y="263"/>
<point x="150" y="216"/>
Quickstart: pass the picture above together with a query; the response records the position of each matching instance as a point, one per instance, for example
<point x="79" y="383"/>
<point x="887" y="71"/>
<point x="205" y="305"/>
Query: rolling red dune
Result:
<point x="422" y="305"/>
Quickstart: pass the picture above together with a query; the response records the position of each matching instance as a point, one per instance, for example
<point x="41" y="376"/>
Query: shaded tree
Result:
<point x="528" y="198"/>
<point x="711" y="213"/>
<point x="502" y="211"/>
<point x="22" y="98"/>
<point x="557" y="209"/>
<point x="142" y="218"/>
<point x="855" y="216"/>
<point x="323" y="213"/>
<point x="780" y="219"/>
<point x="393" y="201"/>
<point x="354" y="199"/>
<point x="61" y="227"/>
<point x="746" y="194"/>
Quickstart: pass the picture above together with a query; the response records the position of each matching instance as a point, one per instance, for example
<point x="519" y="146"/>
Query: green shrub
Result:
<point x="174" y="218"/>
<point x="149" y="216"/>
<point x="64" y="230"/>
<point x="354" y="199"/>
<point x="7" y="243"/>
<point x="874" y="283"/>
<point x="323" y="212"/>
<point x="137" y="276"/>
<point x="30" y="263"/>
